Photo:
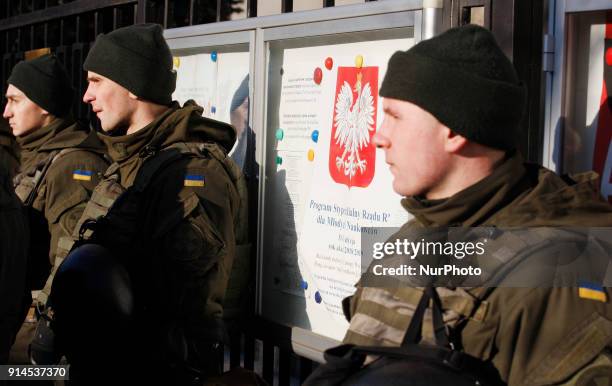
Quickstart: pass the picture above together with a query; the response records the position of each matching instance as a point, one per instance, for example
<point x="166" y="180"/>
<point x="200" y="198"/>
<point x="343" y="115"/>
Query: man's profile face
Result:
<point x="413" y="141"/>
<point x="23" y="115"/>
<point x="109" y="101"/>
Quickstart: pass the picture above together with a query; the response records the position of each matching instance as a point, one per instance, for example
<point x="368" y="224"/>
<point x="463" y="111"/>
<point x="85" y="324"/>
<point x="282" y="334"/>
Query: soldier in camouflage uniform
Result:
<point x="61" y="163"/>
<point x="452" y="154"/>
<point x="173" y="207"/>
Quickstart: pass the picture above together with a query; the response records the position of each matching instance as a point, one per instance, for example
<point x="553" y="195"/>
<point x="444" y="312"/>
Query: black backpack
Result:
<point x="411" y="364"/>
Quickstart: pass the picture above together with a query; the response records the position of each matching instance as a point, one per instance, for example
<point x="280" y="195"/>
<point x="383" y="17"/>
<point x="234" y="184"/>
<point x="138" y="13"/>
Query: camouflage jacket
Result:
<point x="179" y="240"/>
<point x="533" y="336"/>
<point x="60" y="166"/>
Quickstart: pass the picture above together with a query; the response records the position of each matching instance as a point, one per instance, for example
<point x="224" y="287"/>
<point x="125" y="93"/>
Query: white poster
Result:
<point x="337" y="182"/>
<point x="196" y="78"/>
<point x="212" y="80"/>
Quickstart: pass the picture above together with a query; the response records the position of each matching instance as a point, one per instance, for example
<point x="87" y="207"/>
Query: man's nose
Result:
<point x="88" y="96"/>
<point x="7" y="112"/>
<point x="381" y="141"/>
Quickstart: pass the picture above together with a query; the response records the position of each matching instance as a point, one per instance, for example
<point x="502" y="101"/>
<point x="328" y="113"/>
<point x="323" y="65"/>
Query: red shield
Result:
<point x="352" y="156"/>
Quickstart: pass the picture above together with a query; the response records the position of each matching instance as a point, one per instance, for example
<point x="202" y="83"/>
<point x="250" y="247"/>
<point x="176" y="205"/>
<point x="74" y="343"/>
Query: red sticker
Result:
<point x="318" y="75"/>
<point x="329" y="63"/>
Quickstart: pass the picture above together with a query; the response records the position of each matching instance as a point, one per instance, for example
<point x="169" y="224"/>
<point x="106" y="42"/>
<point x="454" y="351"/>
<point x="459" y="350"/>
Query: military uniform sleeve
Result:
<point x="547" y="335"/>
<point x="13" y="259"/>
<point x="197" y="246"/>
<point x="69" y="184"/>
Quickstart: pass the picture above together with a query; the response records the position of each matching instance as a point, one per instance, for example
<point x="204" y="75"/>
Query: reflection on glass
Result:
<point x="217" y="79"/>
<point x="239" y="118"/>
<point x="587" y="129"/>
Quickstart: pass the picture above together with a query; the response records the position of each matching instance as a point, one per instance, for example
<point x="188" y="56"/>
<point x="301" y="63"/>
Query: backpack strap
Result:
<point x="413" y="333"/>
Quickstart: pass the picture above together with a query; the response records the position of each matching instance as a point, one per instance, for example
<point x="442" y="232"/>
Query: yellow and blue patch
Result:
<point x="196" y="180"/>
<point x="592" y="291"/>
<point x="82" y="175"/>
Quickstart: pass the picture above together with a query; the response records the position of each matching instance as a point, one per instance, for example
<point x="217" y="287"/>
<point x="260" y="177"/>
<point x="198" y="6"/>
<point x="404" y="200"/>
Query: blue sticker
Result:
<point x="318" y="297"/>
<point x="315" y="136"/>
<point x="304" y="284"/>
<point x="213" y="56"/>
<point x="213" y="109"/>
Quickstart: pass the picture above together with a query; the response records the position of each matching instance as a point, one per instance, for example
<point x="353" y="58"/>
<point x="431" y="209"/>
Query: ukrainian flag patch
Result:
<point x="194" y="180"/>
<point x="82" y="175"/>
<point x="592" y="291"/>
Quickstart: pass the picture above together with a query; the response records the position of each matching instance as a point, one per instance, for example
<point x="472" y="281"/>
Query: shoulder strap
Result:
<point x="38" y="177"/>
<point x="413" y="334"/>
<point x="155" y="160"/>
<point x="29" y="195"/>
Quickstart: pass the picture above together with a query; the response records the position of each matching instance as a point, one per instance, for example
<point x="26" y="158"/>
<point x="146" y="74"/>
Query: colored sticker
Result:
<point x="329" y="63"/>
<point x="279" y="160"/>
<point x="318" y="75"/>
<point x="609" y="56"/>
<point x="177" y="61"/>
<point x="194" y="180"/>
<point x="279" y="134"/>
<point x="311" y="155"/>
<point x="358" y="61"/>
<point x="592" y="291"/>
<point x="82" y="175"/>
<point x="304" y="284"/>
<point x="315" y="136"/>
<point x="318" y="298"/>
<point x="213" y="56"/>
<point x="213" y="109"/>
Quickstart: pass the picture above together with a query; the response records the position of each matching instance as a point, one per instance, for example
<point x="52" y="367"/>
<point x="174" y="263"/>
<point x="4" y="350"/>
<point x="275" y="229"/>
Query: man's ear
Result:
<point x="132" y="96"/>
<point x="453" y="142"/>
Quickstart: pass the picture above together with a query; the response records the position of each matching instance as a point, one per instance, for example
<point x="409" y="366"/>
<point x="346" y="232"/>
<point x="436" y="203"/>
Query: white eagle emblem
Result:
<point x="354" y="120"/>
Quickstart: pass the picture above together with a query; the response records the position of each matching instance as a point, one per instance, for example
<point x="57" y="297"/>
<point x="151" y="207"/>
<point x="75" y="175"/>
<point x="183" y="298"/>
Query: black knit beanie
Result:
<point x="44" y="81"/>
<point x="463" y="78"/>
<point x="138" y="58"/>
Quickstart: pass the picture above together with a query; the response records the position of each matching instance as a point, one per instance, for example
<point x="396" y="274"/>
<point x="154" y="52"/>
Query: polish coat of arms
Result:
<point x="352" y="155"/>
